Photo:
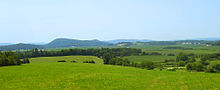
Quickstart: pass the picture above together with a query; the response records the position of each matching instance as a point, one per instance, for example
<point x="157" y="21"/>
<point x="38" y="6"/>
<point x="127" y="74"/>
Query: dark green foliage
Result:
<point x="182" y="57"/>
<point x="144" y="53"/>
<point x="73" y="61"/>
<point x="214" y="67"/>
<point x="134" y="64"/>
<point x="191" y="60"/>
<point x="189" y="67"/>
<point x="170" y="54"/>
<point x="93" y="62"/>
<point x="25" y="60"/>
<point x="9" y="58"/>
<point x="171" y="69"/>
<point x="103" y="52"/>
<point x="197" y="66"/>
<point x="61" y="61"/>
<point x="107" y="57"/>
<point x="181" y="63"/>
<point x="170" y="60"/>
<point x="148" y="65"/>
<point x="155" y="53"/>
<point x="119" y="61"/>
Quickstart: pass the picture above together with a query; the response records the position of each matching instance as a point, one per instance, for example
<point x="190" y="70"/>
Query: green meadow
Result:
<point x="46" y="74"/>
<point x="78" y="59"/>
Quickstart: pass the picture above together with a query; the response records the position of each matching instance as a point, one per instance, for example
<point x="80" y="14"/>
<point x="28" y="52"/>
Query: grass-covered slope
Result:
<point x="78" y="76"/>
<point x="78" y="59"/>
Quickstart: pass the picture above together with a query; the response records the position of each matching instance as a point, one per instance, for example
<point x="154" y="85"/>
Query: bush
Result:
<point x="155" y="53"/>
<point x="61" y="61"/>
<point x="169" y="60"/>
<point x="181" y="63"/>
<point x="73" y="61"/>
<point x="25" y="60"/>
<point x="182" y="57"/>
<point x="197" y="66"/>
<point x="93" y="62"/>
<point x="119" y="61"/>
<point x="171" y="54"/>
<point x="144" y="53"/>
<point x="171" y="69"/>
<point x="214" y="67"/>
<point x="148" y="65"/>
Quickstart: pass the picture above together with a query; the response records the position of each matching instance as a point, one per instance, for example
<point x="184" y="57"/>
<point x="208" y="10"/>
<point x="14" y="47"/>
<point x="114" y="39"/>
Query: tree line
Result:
<point x="9" y="58"/>
<point x="105" y="53"/>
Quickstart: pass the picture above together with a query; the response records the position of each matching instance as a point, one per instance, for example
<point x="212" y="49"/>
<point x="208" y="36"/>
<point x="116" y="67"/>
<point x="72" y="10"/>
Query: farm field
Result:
<point x="197" y="49"/>
<point x="78" y="59"/>
<point x="78" y="76"/>
<point x="153" y="58"/>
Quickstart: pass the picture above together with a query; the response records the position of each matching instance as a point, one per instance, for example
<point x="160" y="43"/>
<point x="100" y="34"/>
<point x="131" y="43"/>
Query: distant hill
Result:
<point x="207" y="39"/>
<point x="20" y="46"/>
<point x="5" y="44"/>
<point x="57" y="43"/>
<point x="64" y="43"/>
<point x="127" y="40"/>
<point x="38" y="43"/>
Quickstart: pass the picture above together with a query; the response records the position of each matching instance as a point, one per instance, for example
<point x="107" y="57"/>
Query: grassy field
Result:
<point x="78" y="59"/>
<point x="153" y="58"/>
<point x="78" y="76"/>
<point x="197" y="49"/>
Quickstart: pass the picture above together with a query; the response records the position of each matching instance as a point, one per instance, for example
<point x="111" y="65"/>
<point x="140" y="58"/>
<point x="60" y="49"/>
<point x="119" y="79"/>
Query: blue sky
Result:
<point x="45" y="20"/>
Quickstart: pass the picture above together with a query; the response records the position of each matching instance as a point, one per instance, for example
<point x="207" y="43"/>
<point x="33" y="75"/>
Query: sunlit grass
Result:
<point x="78" y="59"/>
<point x="72" y="76"/>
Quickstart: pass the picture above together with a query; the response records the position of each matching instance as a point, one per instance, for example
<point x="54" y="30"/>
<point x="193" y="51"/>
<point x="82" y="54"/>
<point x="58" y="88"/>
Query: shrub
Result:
<point x="181" y="63"/>
<point x="182" y="57"/>
<point x="169" y="60"/>
<point x="93" y="62"/>
<point x="73" y="61"/>
<point x="61" y="61"/>
<point x="171" y="69"/>
<point x="197" y="66"/>
<point x="155" y="53"/>
<point x="214" y="67"/>
<point x="25" y="60"/>
<point x="148" y="65"/>
<point x="171" y="54"/>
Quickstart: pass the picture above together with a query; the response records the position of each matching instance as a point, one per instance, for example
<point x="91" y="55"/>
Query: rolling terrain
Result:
<point x="77" y="59"/>
<point x="57" y="43"/>
<point x="64" y="43"/>
<point x="20" y="46"/>
<point x="49" y="75"/>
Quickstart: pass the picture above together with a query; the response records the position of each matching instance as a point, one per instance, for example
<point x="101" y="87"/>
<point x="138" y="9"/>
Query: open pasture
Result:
<point x="78" y="76"/>
<point x="78" y="59"/>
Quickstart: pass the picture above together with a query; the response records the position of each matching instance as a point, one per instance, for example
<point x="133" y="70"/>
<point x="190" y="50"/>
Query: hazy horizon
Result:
<point x="44" y="20"/>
